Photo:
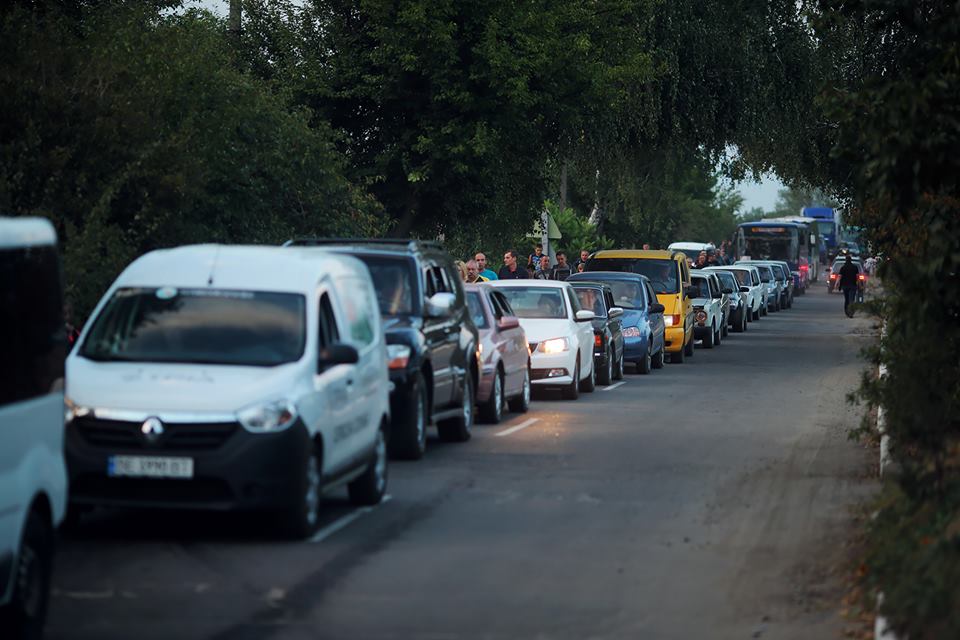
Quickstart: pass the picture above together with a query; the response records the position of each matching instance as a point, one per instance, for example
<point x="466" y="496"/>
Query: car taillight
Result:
<point x="672" y="321"/>
<point x="804" y="267"/>
<point x="597" y="341"/>
<point x="862" y="277"/>
<point x="833" y="276"/>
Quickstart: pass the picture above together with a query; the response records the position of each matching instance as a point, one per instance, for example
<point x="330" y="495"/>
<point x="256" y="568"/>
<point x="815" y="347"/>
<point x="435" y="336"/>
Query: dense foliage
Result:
<point x="896" y="102"/>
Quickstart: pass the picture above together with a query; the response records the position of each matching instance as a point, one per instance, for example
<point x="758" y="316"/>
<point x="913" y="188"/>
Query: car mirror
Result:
<point x="656" y="307"/>
<point x="727" y="290"/>
<point x="440" y="305"/>
<point x="615" y="312"/>
<point x="585" y="316"/>
<point x="508" y="322"/>
<point x="336" y="354"/>
<point x="744" y="289"/>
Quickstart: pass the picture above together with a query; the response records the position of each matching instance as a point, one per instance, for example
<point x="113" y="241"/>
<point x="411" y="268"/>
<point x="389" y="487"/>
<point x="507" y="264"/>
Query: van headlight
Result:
<point x="398" y="356"/>
<point x="72" y="410"/>
<point x="268" y="417"/>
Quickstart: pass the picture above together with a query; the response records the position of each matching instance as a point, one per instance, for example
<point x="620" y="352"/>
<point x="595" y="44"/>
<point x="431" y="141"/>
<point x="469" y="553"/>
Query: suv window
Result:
<point x="591" y="299"/>
<point x="328" y="333"/>
<point x="393" y="279"/>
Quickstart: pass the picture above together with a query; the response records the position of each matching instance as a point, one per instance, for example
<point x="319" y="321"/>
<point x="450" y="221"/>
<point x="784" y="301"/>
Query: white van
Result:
<point x="231" y="377"/>
<point x="33" y="479"/>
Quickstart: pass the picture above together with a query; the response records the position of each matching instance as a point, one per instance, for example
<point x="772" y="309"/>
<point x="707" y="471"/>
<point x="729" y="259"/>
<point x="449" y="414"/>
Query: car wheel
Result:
<point x="408" y="432"/>
<point x="657" y="362"/>
<point x="590" y="382"/>
<point x="644" y="366"/>
<point x="708" y="339"/>
<point x="459" y="429"/>
<point x="618" y="369"/>
<point x="369" y="488"/>
<point x="491" y="411"/>
<point x="301" y="519"/>
<point x="521" y="404"/>
<point x="24" y="615"/>
<point x="606" y="374"/>
<point x="572" y="390"/>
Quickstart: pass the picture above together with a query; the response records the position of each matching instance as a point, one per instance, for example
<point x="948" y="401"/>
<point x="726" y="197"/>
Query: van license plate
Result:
<point x="149" y="467"/>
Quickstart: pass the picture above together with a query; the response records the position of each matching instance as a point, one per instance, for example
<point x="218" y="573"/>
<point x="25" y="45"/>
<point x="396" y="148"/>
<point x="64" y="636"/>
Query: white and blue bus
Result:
<point x="791" y="242"/>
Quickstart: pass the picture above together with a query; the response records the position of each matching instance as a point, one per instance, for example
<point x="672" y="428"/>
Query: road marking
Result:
<point x="522" y="425"/>
<point x="339" y="524"/>
<point x="614" y="386"/>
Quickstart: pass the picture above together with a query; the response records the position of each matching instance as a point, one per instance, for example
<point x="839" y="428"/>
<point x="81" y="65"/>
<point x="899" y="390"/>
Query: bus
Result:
<point x="812" y="253"/>
<point x="826" y="218"/>
<point x="779" y="240"/>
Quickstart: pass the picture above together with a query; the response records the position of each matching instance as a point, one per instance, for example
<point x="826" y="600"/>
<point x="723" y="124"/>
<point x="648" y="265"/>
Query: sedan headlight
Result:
<point x="398" y="356"/>
<point x="631" y="332"/>
<point x="556" y="345"/>
<point x="268" y="417"/>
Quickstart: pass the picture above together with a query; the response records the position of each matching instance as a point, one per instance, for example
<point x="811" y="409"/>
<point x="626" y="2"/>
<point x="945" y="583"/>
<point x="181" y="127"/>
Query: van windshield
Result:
<point x="663" y="273"/>
<point x="209" y="326"/>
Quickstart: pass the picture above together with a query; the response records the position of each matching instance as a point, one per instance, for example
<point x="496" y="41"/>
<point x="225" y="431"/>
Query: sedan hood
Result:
<point x="162" y="387"/>
<point x="539" y="329"/>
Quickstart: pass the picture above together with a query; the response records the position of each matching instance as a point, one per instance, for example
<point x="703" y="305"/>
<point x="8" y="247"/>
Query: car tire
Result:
<point x="24" y="616"/>
<point x="644" y="366"/>
<point x="657" y="362"/>
<point x="590" y="382"/>
<point x="572" y="390"/>
<point x="688" y="348"/>
<point x="708" y="339"/>
<point x="606" y="374"/>
<point x="491" y="411"/>
<point x="718" y="337"/>
<point x="618" y="369"/>
<point x="369" y="488"/>
<point x="301" y="519"/>
<point x="677" y="357"/>
<point x="459" y="429"/>
<point x="408" y="432"/>
<point x="521" y="404"/>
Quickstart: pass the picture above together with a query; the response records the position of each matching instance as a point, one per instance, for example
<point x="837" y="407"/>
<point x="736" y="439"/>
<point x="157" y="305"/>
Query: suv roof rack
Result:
<point x="410" y="243"/>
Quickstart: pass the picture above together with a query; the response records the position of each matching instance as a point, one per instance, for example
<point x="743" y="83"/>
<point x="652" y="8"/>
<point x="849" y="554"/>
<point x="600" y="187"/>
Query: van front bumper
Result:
<point x="233" y="469"/>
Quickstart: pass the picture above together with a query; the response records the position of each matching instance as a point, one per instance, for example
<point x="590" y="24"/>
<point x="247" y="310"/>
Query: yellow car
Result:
<point x="670" y="278"/>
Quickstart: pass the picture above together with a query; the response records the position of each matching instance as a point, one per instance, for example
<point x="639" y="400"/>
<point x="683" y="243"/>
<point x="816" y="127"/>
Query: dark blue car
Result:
<point x="642" y="316"/>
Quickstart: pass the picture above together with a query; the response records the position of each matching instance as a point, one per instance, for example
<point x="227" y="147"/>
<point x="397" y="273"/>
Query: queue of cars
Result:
<point x="260" y="378"/>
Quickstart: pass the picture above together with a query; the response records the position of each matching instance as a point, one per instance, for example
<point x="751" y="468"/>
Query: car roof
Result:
<point x="528" y="282"/>
<point x="699" y="273"/>
<point x="366" y="246"/>
<point x="588" y="276"/>
<point x="26" y="232"/>
<point x="249" y="268"/>
<point x="692" y="246"/>
<point x="649" y="254"/>
<point x="589" y="283"/>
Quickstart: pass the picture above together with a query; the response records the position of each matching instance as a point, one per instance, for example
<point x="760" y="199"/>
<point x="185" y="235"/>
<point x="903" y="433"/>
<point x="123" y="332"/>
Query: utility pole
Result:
<point x="233" y="25"/>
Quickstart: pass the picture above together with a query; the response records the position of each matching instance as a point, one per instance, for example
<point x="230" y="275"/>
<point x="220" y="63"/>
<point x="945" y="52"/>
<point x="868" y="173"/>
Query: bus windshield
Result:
<point x="770" y="243"/>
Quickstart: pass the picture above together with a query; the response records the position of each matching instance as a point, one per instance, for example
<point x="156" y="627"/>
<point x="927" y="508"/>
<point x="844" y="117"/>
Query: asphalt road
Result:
<point x="710" y="499"/>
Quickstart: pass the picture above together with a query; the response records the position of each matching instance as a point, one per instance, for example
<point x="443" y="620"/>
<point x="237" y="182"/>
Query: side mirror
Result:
<point x="335" y="354"/>
<point x="615" y="312"/>
<point x="656" y="307"/>
<point x="440" y="305"/>
<point x="508" y="322"/>
<point x="744" y="289"/>
<point x="585" y="316"/>
<point x="727" y="290"/>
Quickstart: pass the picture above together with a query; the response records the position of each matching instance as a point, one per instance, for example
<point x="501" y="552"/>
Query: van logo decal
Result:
<point x="152" y="429"/>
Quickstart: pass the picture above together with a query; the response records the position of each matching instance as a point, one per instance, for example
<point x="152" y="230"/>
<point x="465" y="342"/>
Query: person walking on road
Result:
<point x="511" y="270"/>
<point x="481" y="259"/>
<point x="849" y="283"/>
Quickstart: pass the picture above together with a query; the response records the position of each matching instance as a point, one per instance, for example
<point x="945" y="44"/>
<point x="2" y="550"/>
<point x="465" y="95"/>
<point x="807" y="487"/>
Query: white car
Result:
<point x="33" y="476"/>
<point x="749" y="277"/>
<point x="559" y="332"/>
<point x="231" y="378"/>
<point x="709" y="308"/>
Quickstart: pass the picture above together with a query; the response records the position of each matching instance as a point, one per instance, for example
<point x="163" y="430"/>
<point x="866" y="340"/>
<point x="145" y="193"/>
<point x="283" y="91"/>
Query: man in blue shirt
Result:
<point x="489" y="274"/>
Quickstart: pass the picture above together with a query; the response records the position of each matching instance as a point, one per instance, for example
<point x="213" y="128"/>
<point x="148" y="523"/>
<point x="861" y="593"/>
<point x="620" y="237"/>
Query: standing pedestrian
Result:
<point x="562" y="271"/>
<point x="533" y="260"/>
<point x="511" y="270"/>
<point x="584" y="256"/>
<point x="849" y="283"/>
<point x="489" y="274"/>
<point x="462" y="268"/>
<point x="544" y="272"/>
<point x="473" y="272"/>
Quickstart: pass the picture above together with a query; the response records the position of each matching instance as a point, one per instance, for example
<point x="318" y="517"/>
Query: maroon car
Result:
<point x="505" y="357"/>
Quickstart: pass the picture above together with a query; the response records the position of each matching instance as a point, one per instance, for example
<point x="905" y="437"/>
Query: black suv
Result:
<point x="431" y="340"/>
